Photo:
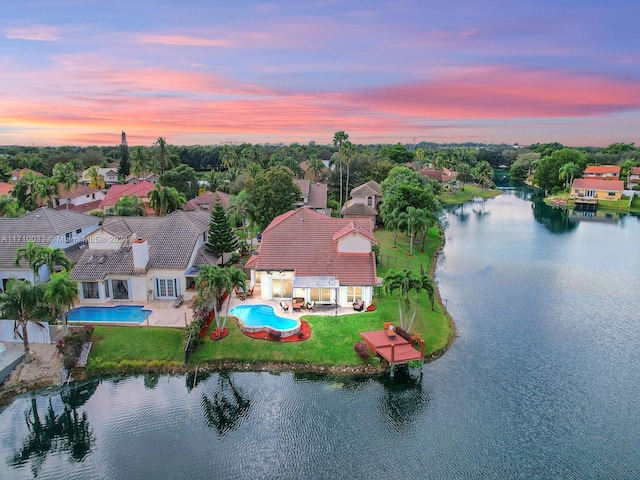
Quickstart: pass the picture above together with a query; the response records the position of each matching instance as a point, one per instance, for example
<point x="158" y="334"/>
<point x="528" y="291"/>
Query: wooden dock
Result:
<point x="393" y="348"/>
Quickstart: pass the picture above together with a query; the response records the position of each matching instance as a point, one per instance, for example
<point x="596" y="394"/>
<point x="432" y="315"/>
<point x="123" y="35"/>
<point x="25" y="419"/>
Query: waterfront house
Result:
<point x="317" y="258"/>
<point x="143" y="258"/>
<point x="634" y="178"/>
<point x="590" y="190"/>
<point x="47" y="227"/>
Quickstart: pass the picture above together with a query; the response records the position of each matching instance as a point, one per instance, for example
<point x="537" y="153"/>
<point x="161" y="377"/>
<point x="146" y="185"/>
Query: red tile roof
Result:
<point x="594" y="169"/>
<point x="303" y="241"/>
<point x="116" y="192"/>
<point x="5" y="188"/>
<point x="206" y="200"/>
<point x="598" y="184"/>
<point x="84" y="208"/>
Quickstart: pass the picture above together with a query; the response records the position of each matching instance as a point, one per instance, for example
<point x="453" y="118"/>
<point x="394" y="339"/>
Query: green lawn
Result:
<point x="466" y="195"/>
<point x="332" y="337"/>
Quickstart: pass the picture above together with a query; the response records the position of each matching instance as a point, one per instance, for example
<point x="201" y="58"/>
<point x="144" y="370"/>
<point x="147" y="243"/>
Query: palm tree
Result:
<point x="65" y="174"/>
<point x="33" y="254"/>
<point x="163" y="158"/>
<point x="96" y="180"/>
<point x="10" y="208"/>
<point x="568" y="171"/>
<point x="54" y="258"/>
<point x="403" y="282"/>
<point x="140" y="161"/>
<point x="61" y="293"/>
<point x="128" y="206"/>
<point x="315" y="167"/>
<point x="464" y="174"/>
<point x="214" y="180"/>
<point x="412" y="220"/>
<point x="44" y="190"/>
<point x="241" y="209"/>
<point x="212" y="282"/>
<point x="21" y="301"/>
<point x="165" y="200"/>
<point x="483" y="173"/>
<point x="228" y="157"/>
<point x="430" y="289"/>
<point x="338" y="140"/>
<point x="431" y="221"/>
<point x="391" y="220"/>
<point x="237" y="280"/>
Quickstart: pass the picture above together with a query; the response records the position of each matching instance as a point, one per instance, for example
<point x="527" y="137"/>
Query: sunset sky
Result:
<point x="78" y="72"/>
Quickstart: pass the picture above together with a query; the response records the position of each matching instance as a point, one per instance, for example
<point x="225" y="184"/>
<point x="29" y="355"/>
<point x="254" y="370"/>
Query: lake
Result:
<point x="542" y="381"/>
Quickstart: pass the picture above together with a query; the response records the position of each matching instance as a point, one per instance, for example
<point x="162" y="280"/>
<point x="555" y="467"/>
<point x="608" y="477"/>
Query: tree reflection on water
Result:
<point x="66" y="431"/>
<point x="226" y="407"/>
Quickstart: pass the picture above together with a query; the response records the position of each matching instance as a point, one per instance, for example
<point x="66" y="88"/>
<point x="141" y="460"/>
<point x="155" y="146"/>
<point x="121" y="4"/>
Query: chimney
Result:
<point x="140" y="250"/>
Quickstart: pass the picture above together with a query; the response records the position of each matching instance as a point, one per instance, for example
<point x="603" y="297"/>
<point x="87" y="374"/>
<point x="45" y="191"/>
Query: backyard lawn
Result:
<point x="332" y="337"/>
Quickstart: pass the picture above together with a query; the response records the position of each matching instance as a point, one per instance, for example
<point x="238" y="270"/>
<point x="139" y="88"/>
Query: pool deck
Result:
<point x="166" y="315"/>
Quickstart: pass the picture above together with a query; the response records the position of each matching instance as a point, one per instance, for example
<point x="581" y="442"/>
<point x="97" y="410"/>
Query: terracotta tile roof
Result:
<point x="206" y="200"/>
<point x="85" y="207"/>
<point x="19" y="171"/>
<point x="116" y="192"/>
<point x="602" y="169"/>
<point x="598" y="184"/>
<point x="303" y="241"/>
<point x="78" y="191"/>
<point x="635" y="171"/>
<point x="5" y="188"/>
<point x="358" y="208"/>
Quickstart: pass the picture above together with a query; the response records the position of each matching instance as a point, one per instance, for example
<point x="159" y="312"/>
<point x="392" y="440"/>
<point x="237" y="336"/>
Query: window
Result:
<point x="370" y="201"/>
<point x="353" y="294"/>
<point x="90" y="290"/>
<point x="320" y="294"/>
<point x="282" y="288"/>
<point x="68" y="237"/>
<point x="120" y="289"/>
<point x="106" y="289"/>
<point x="166" y="287"/>
<point x="79" y="230"/>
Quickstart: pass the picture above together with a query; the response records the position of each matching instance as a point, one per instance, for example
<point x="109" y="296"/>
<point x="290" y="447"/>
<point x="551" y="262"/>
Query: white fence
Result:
<point x="37" y="332"/>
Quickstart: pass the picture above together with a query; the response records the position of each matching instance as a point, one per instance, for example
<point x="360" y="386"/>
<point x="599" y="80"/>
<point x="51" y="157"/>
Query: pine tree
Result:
<point x="221" y="237"/>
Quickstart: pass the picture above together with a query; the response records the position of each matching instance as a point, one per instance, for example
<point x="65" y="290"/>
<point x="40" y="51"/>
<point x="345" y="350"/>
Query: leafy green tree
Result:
<point x="241" y="211"/>
<point x="547" y="174"/>
<point x="518" y="172"/>
<point x="128" y="206"/>
<point x="398" y="154"/>
<point x="10" y="208"/>
<point x="273" y="193"/>
<point x="61" y="293"/>
<point x="404" y="282"/>
<point x="25" y="191"/>
<point x="221" y="238"/>
<point x="124" y="168"/>
<point x="183" y="178"/>
<point x="5" y="170"/>
<point x="22" y="302"/>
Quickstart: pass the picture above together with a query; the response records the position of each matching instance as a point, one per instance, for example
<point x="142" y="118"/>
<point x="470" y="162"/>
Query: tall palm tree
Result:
<point x="338" y="140"/>
<point x="240" y="210"/>
<point x="430" y="289"/>
<point x="212" y="282"/>
<point x="21" y="301"/>
<point x="33" y="254"/>
<point x="237" y="279"/>
<point x="464" y="174"/>
<point x="391" y="221"/>
<point x="163" y="158"/>
<point x="228" y="157"/>
<point x="165" y="200"/>
<point x="412" y="220"/>
<point x="65" y="174"/>
<point x="404" y="282"/>
<point x="61" y="293"/>
<point x="140" y="163"/>
<point x="483" y="173"/>
<point x="45" y="189"/>
<point x="315" y="167"/>
<point x="567" y="172"/>
<point x="96" y="179"/>
<point x="214" y="180"/>
<point x="348" y="151"/>
<point x="54" y="258"/>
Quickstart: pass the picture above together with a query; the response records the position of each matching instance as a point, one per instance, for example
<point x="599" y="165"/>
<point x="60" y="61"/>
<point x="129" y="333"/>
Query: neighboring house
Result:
<point x="6" y="188"/>
<point x="318" y="258"/>
<point x="46" y="227"/>
<point x="592" y="190"/>
<point x="17" y="173"/>
<point x="603" y="172"/>
<point x="110" y="176"/>
<point x="81" y="198"/>
<point x="206" y="201"/>
<point x="634" y="178"/>
<point x="140" y="258"/>
<point x="364" y="203"/>
<point x="116" y="192"/>
<point x="442" y="175"/>
<point x="153" y="178"/>
<point x="313" y="195"/>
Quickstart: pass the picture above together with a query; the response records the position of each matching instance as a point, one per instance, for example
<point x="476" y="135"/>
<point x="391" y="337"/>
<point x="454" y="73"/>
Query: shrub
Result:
<point x="274" y="335"/>
<point x="363" y="351"/>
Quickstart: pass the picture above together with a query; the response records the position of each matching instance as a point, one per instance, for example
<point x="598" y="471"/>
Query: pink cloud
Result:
<point x="39" y="33"/>
<point x="184" y="41"/>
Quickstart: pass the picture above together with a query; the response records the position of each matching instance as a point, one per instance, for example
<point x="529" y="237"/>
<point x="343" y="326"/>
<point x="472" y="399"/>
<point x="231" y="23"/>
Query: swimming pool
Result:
<point x="119" y="314"/>
<point x="262" y="318"/>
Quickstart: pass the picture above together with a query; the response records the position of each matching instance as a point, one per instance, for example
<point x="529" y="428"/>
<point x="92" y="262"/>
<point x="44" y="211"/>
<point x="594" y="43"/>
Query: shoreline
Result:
<point x="42" y="373"/>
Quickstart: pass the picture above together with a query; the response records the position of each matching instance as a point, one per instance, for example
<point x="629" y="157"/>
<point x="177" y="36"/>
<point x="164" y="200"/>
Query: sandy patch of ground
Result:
<point x="43" y="371"/>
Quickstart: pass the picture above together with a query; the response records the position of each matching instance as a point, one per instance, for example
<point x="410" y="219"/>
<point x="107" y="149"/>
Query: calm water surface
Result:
<point x="542" y="381"/>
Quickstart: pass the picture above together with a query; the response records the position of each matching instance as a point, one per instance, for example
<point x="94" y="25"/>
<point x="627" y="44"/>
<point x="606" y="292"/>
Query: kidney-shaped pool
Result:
<point x="262" y="318"/>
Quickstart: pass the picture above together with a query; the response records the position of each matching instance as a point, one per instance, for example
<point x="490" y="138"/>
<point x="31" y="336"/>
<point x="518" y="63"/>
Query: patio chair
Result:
<point x="298" y="303"/>
<point x="359" y="305"/>
<point x="250" y="292"/>
<point x="310" y="305"/>
<point x="284" y="305"/>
